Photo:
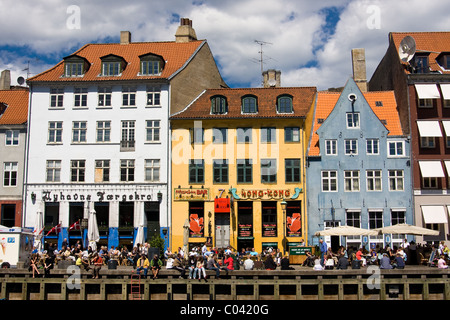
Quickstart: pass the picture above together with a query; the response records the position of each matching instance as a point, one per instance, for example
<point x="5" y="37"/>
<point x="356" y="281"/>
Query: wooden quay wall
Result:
<point x="412" y="283"/>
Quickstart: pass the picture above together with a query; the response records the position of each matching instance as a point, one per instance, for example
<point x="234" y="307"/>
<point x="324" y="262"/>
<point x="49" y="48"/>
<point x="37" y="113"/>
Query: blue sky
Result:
<point x="308" y="41"/>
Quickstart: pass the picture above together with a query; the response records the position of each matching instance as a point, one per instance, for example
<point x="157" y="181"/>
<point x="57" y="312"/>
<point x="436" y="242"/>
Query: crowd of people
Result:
<point x="199" y="259"/>
<point x="395" y="257"/>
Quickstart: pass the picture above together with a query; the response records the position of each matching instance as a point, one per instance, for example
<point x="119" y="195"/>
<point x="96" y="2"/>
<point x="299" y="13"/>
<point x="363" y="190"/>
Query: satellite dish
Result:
<point x="20" y="80"/>
<point x="407" y="48"/>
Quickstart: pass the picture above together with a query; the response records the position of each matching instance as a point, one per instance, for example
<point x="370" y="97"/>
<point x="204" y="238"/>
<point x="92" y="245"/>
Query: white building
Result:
<point x="99" y="134"/>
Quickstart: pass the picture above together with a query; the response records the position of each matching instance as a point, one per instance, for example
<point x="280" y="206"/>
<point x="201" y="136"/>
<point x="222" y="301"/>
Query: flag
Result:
<point x="40" y="232"/>
<point x="75" y="226"/>
<point x="56" y="229"/>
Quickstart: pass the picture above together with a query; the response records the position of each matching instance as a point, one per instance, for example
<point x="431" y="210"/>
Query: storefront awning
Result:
<point x="434" y="214"/>
<point x="446" y="125"/>
<point x="429" y="129"/>
<point x="447" y="167"/>
<point x="431" y="169"/>
<point x="445" y="88"/>
<point x="427" y="91"/>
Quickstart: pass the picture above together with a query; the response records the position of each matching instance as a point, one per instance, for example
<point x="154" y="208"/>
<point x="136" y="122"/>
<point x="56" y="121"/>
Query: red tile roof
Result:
<point x="326" y="102"/>
<point x="16" y="101"/>
<point x="175" y="56"/>
<point x="433" y="42"/>
<point x="302" y="100"/>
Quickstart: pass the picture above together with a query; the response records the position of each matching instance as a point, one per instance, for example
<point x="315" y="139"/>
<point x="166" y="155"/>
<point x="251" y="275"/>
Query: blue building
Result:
<point x="358" y="166"/>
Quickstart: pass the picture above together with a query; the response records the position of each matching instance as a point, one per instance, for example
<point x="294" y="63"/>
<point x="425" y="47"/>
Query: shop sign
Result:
<point x="187" y="194"/>
<point x="222" y="205"/>
<point x="265" y="194"/>
<point x="49" y="196"/>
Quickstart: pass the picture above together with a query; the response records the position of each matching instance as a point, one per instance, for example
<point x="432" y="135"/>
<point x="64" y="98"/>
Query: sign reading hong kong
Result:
<point x="100" y="196"/>
<point x="265" y="194"/>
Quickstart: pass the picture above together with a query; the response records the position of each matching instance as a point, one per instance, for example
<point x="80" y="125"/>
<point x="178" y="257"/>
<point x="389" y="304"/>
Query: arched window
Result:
<point x="284" y="104"/>
<point x="219" y="105"/>
<point x="249" y="104"/>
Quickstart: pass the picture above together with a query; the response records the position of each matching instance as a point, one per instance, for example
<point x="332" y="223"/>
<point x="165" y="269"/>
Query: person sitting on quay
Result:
<point x="155" y="265"/>
<point x="309" y="261"/>
<point x="98" y="262"/>
<point x="248" y="263"/>
<point x="178" y="264"/>
<point x="385" y="262"/>
<point x="342" y="263"/>
<point x="399" y="263"/>
<point x="212" y="264"/>
<point x="284" y="263"/>
<point x="142" y="264"/>
<point x="269" y="263"/>
<point x="441" y="263"/>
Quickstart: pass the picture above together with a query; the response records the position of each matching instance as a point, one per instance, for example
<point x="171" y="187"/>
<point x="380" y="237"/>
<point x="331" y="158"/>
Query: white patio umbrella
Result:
<point x="139" y="236"/>
<point x="403" y="228"/>
<point x="346" y="231"/>
<point x="39" y="225"/>
<point x="93" y="234"/>
<point x="186" y="237"/>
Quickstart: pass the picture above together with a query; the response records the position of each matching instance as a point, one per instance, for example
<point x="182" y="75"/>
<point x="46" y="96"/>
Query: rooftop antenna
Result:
<point x="261" y="60"/>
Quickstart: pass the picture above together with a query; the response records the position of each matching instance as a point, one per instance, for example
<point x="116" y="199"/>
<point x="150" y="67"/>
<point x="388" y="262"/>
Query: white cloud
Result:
<point x="300" y="45"/>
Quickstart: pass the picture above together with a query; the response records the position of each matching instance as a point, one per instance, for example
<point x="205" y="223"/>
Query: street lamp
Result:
<point x="283" y="207"/>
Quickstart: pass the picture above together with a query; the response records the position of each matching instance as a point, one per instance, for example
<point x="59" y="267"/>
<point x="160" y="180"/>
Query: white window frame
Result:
<point x="55" y="127"/>
<point x="128" y="97"/>
<point x="331" y="147"/>
<point x="396" y="149"/>
<point x="78" y="166"/>
<point x="352" y="119"/>
<point x="79" y="131"/>
<point x="395" y="177"/>
<point x="352" y="181"/>
<point x="351" y="151"/>
<point x="153" y="96"/>
<point x="104" y="97"/>
<point x="12" y="137"/>
<point x="152" y="170"/>
<point x="53" y="167"/>
<point x="153" y="130"/>
<point x="371" y="144"/>
<point x="56" y="98"/>
<point x="371" y="176"/>
<point x="80" y="96"/>
<point x="10" y="173"/>
<point x="103" y="131"/>
<point x="330" y="179"/>
<point x="101" y="175"/>
<point x="427" y="142"/>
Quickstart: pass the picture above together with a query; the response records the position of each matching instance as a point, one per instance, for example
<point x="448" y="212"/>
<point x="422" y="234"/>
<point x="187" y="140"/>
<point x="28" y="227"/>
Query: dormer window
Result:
<point x="75" y="66"/>
<point x="421" y="64"/>
<point x="151" y="65"/>
<point x="444" y="60"/>
<point x="284" y="104"/>
<point x="249" y="104"/>
<point x="112" y="65"/>
<point x="219" y="105"/>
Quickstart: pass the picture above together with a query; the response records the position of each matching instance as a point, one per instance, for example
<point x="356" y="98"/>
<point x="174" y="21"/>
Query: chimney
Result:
<point x="271" y="78"/>
<point x="125" y="37"/>
<point x="185" y="32"/>
<point x="5" y="80"/>
<point x="359" y="68"/>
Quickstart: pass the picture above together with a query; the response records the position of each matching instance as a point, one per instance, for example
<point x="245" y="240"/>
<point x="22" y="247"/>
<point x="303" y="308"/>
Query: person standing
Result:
<point x="323" y="251"/>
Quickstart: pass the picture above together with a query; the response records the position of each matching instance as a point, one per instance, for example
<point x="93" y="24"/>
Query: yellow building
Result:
<point x="238" y="168"/>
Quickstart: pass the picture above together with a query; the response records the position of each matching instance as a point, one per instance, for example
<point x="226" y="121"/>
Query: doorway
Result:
<point x="222" y="232"/>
